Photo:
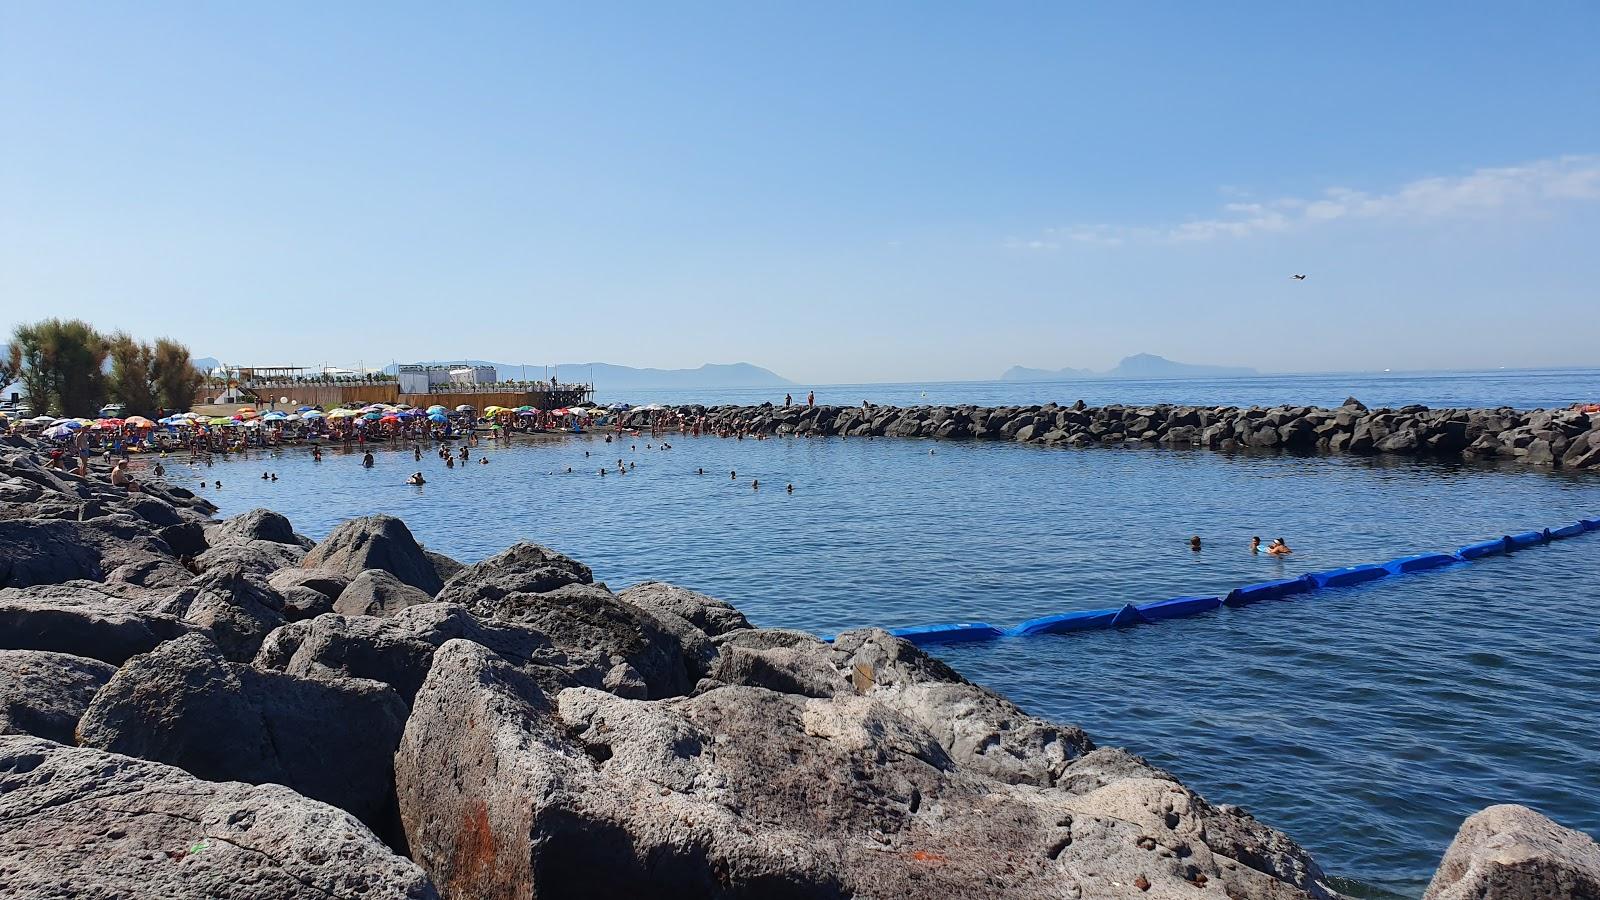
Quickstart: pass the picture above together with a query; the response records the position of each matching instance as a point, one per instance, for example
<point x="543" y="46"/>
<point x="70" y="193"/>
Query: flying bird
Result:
<point x="1298" y="277"/>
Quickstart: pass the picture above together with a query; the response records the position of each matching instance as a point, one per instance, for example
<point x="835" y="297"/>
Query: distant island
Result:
<point x="1140" y="365"/>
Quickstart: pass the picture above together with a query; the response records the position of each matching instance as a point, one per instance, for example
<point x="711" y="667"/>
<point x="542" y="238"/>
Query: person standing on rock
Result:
<point x="788" y="400"/>
<point x="811" y="398"/>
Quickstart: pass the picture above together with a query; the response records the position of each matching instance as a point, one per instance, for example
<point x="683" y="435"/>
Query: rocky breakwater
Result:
<point x="1552" y="438"/>
<point x="201" y="709"/>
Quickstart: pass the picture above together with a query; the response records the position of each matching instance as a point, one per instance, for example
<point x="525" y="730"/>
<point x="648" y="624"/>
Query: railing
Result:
<point x="446" y="388"/>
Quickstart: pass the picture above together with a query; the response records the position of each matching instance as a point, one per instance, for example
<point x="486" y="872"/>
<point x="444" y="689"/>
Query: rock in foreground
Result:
<point x="85" y="824"/>
<point x="1510" y="852"/>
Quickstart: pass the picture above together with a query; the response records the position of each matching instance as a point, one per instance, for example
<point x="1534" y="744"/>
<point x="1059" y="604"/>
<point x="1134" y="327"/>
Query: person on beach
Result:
<point x="119" y="475"/>
<point x="1255" y="544"/>
<point x="788" y="401"/>
<point x="1194" y="543"/>
<point x="811" y="398"/>
<point x="1278" y="548"/>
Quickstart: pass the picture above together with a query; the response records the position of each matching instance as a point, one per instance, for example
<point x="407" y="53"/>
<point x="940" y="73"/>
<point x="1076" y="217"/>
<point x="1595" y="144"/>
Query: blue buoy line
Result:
<point x="1181" y="607"/>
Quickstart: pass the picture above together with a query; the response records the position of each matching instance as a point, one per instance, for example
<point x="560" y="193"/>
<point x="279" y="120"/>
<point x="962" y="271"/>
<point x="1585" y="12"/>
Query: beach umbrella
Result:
<point x="618" y="407"/>
<point x="372" y="416"/>
<point x="343" y="414"/>
<point x="222" y="420"/>
<point x="440" y="418"/>
<point x="304" y="409"/>
<point x="42" y="420"/>
<point x="274" y="417"/>
<point x="58" y="432"/>
<point x="312" y="415"/>
<point x="139" y="422"/>
<point x="465" y="408"/>
<point x="253" y="423"/>
<point x="437" y="408"/>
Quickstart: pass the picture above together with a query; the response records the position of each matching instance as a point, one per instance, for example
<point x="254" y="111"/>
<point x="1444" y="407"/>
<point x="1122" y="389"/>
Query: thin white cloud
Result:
<point x="1530" y="188"/>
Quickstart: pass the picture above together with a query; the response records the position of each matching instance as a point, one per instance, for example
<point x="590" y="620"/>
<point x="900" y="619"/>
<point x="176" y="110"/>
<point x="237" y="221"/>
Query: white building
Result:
<point x="420" y="379"/>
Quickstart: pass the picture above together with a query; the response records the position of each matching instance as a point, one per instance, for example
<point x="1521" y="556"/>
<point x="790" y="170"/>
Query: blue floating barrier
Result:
<point x="1420" y="562"/>
<point x="1268" y="590"/>
<point x="1082" y="620"/>
<point x="1566" y="531"/>
<point x="1482" y="549"/>
<point x="1178" y="607"/>
<point x="1590" y="524"/>
<point x="1525" y="539"/>
<point x="1348" y="576"/>
<point x="947" y="633"/>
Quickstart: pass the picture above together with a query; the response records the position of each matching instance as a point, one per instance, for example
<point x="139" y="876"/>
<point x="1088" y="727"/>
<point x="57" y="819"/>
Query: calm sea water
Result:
<point x="1366" y="722"/>
<point x="1523" y="389"/>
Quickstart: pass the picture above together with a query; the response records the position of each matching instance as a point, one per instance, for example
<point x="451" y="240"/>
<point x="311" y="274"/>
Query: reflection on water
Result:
<point x="1367" y="722"/>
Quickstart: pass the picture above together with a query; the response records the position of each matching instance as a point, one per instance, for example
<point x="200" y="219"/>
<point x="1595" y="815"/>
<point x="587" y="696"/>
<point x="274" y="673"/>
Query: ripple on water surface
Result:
<point x="1365" y="721"/>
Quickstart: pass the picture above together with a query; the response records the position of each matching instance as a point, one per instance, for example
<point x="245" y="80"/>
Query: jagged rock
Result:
<point x="81" y="823"/>
<point x="1510" y="852"/>
<point x="186" y="705"/>
<point x="399" y="650"/>
<point x="977" y="727"/>
<point x="1353" y="403"/>
<point x="744" y="792"/>
<point x="710" y="615"/>
<point x="375" y="542"/>
<point x="81" y="620"/>
<point x="658" y="651"/>
<point x="236" y="608"/>
<point x="444" y="566"/>
<point x="307" y="593"/>
<point x="44" y="694"/>
<point x="49" y="551"/>
<point x="377" y="593"/>
<point x="263" y="558"/>
<point x="257" y="525"/>
<point x="522" y="568"/>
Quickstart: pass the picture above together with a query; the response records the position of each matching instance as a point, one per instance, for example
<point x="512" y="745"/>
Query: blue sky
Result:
<point x="839" y="192"/>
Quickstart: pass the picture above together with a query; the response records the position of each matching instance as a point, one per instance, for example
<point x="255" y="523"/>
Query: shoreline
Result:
<point x="513" y="727"/>
<point x="1564" y="438"/>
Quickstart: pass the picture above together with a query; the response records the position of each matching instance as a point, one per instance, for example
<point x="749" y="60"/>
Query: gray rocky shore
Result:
<point x="1565" y="438"/>
<point x="200" y="709"/>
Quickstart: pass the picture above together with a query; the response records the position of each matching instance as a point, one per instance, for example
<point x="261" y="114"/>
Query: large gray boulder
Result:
<point x="399" y="650"/>
<point x="975" y="726"/>
<point x="663" y="654"/>
<point x="522" y="568"/>
<point x="262" y="558"/>
<point x="307" y="593"/>
<point x="186" y="705"/>
<point x="377" y="593"/>
<point x="81" y="823"/>
<point x="745" y="792"/>
<point x="236" y="608"/>
<point x="257" y="525"/>
<point x="44" y="694"/>
<point x="50" y="551"/>
<point x="376" y="542"/>
<point x="1510" y="852"/>
<point x="710" y="615"/>
<point x="82" y="620"/>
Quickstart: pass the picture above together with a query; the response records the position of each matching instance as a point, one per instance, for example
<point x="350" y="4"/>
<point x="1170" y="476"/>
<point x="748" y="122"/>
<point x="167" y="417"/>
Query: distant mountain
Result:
<point x="1140" y="365"/>
<point x="205" y="363"/>
<point x="609" y="377"/>
<point x="1146" y="365"/>
<point x="1023" y="373"/>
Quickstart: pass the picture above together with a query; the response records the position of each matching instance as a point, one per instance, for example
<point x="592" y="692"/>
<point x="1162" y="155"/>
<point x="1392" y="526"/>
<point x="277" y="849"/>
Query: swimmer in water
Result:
<point x="734" y="475"/>
<point x="1194" y="543"/>
<point x="416" y="479"/>
<point x="274" y="476"/>
<point x="367" y="461"/>
<point x="790" y="488"/>
<point x="1278" y="548"/>
<point x="700" y="471"/>
<point x="1255" y="544"/>
<point x="755" y="485"/>
<point x="219" y="485"/>
<point x="263" y="476"/>
<point x="483" y="460"/>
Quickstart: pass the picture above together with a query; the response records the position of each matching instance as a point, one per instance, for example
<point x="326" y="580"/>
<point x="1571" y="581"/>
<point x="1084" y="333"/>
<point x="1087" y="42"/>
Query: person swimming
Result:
<point x="734" y="475"/>
<point x="1255" y="544"/>
<point x="1194" y="543"/>
<point x="1279" y="548"/>
<point x="416" y="479"/>
<point x="790" y="488"/>
<point x="367" y="461"/>
<point x="755" y="485"/>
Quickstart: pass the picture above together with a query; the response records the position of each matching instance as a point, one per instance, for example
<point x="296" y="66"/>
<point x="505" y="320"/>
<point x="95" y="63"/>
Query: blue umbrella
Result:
<point x="313" y="414"/>
<point x="304" y="409"/>
<point x="440" y="418"/>
<point x="372" y="416"/>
